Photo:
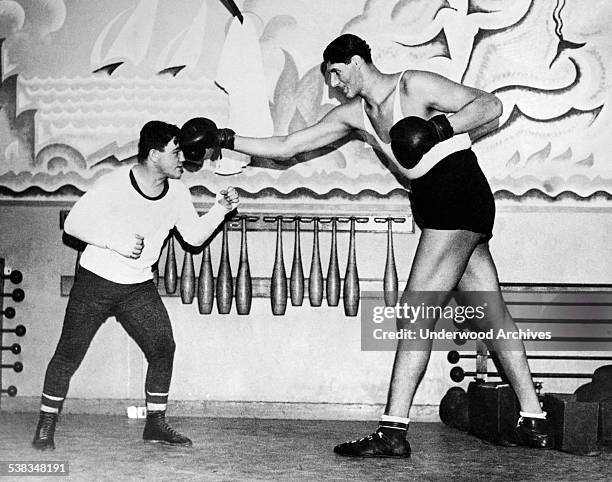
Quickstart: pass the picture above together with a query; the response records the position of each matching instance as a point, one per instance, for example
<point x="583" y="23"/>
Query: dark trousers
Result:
<point x="139" y="309"/>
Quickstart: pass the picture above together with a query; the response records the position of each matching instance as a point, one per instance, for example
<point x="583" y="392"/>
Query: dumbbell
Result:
<point x="19" y="330"/>
<point x="9" y="312"/>
<point x="16" y="277"/>
<point x="15" y="348"/>
<point x="17" y="366"/>
<point x="11" y="391"/>
<point x="454" y="356"/>
<point x="17" y="295"/>
<point x="457" y="374"/>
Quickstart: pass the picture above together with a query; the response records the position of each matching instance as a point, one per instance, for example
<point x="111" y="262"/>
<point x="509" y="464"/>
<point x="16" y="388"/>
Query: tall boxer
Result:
<point x="424" y="123"/>
<point x="124" y="219"/>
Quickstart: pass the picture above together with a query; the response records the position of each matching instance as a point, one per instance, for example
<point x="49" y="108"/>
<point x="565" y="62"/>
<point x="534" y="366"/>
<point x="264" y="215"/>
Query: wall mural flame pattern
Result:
<point x="77" y="85"/>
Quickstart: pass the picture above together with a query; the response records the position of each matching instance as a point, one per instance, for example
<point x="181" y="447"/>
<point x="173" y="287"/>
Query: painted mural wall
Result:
<point x="79" y="78"/>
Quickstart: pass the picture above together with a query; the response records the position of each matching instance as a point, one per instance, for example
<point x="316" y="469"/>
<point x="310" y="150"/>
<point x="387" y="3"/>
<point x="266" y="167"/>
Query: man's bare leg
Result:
<point x="481" y="277"/>
<point x="481" y="284"/>
<point x="438" y="265"/>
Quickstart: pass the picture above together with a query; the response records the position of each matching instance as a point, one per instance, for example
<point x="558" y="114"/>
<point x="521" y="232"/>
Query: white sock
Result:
<point x="390" y="418"/>
<point x="156" y="407"/>
<point x="44" y="408"/>
<point x="541" y="415"/>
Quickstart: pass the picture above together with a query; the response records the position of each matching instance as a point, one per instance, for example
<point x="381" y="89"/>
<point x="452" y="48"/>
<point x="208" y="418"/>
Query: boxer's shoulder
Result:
<point x="112" y="179"/>
<point x="348" y="113"/>
<point x="417" y="80"/>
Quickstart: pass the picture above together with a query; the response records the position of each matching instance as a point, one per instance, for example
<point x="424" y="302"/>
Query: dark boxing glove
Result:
<point x="412" y="137"/>
<point x="199" y="134"/>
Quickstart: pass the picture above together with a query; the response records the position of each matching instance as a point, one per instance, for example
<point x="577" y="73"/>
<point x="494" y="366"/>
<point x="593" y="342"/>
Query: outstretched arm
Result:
<point x="332" y="127"/>
<point x="199" y="137"/>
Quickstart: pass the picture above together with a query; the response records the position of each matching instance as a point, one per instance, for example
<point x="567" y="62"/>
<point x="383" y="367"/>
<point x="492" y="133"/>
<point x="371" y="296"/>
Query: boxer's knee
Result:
<point x="162" y="348"/>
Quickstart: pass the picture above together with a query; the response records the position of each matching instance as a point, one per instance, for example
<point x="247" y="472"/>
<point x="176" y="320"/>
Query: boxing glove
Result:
<point x="199" y="134"/>
<point x="412" y="137"/>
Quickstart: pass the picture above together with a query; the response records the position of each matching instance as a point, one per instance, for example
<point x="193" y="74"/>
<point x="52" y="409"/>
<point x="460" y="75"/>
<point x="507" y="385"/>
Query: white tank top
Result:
<point x="441" y="150"/>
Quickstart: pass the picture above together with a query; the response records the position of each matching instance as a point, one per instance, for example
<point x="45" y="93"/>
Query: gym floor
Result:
<point x="101" y="447"/>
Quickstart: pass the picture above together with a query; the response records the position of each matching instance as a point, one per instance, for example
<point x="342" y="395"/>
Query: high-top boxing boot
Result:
<point x="534" y="432"/>
<point x="157" y="430"/>
<point x="389" y="440"/>
<point x="43" y="440"/>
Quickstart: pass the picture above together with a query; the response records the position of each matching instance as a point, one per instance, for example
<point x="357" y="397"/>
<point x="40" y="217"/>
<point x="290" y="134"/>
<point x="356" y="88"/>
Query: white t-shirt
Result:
<point x="115" y="206"/>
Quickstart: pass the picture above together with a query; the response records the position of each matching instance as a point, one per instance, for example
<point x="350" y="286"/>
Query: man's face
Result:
<point x="343" y="77"/>
<point x="170" y="160"/>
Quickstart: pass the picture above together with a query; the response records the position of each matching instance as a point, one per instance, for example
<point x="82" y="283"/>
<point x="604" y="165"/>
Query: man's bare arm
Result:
<point x="332" y="127"/>
<point x="483" y="130"/>
<point x="471" y="108"/>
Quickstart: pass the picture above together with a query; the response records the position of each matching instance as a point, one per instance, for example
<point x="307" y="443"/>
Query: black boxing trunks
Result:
<point x="454" y="194"/>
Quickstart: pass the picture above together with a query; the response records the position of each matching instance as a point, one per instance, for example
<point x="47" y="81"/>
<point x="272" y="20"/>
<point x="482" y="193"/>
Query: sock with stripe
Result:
<point x="51" y="404"/>
<point x="393" y="426"/>
<point x="156" y="402"/>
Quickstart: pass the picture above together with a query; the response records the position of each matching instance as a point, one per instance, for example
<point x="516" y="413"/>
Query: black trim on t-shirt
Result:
<point x="139" y="191"/>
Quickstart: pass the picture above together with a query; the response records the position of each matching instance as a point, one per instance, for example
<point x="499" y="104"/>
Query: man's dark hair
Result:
<point x="341" y="49"/>
<point x="155" y="135"/>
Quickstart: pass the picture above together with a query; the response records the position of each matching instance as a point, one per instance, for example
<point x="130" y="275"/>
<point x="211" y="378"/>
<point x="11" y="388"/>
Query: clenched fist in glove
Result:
<point x="199" y="134"/>
<point x="412" y="137"/>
